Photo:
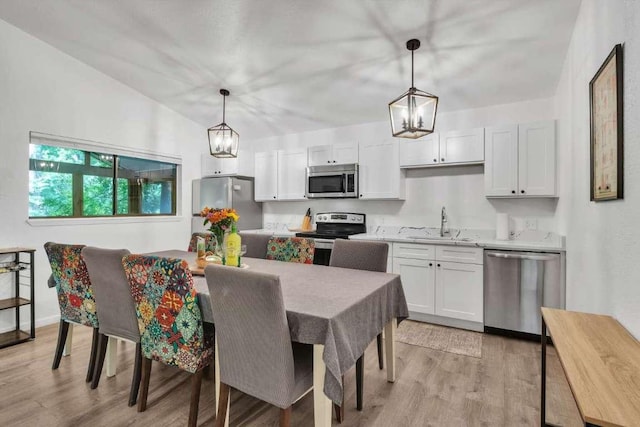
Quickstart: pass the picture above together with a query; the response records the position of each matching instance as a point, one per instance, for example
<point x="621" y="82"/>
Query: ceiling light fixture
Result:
<point x="413" y="114"/>
<point x="223" y="141"/>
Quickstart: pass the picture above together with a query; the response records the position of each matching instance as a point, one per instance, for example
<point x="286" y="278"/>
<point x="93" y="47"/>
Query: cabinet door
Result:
<point x="418" y="277"/>
<point x="380" y="175"/>
<point x="266" y="171"/>
<point x="501" y="161"/>
<point x="319" y="155"/>
<point x="345" y="152"/>
<point x="537" y="159"/>
<point x="292" y="165"/>
<point x="420" y="152"/>
<point x="462" y="146"/>
<point x="459" y="291"/>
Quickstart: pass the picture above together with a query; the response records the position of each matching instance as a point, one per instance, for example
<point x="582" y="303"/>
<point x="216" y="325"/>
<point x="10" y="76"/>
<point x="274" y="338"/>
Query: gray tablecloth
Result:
<point x="341" y="308"/>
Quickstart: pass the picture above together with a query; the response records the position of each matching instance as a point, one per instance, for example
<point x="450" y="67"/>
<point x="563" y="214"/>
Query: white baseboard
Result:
<point x="26" y="326"/>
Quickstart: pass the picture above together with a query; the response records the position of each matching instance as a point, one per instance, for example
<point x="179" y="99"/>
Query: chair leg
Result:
<point x="285" y="417"/>
<point x="63" y="330"/>
<point x="380" y="352"/>
<point x="102" y="351"/>
<point x="222" y="405"/>
<point x="146" y="373"/>
<point x="359" y="381"/>
<point x="135" y="381"/>
<point x="94" y="351"/>
<point x="196" y="382"/>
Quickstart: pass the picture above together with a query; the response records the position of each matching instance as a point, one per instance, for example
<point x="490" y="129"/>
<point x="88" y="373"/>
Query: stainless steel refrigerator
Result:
<point x="226" y="192"/>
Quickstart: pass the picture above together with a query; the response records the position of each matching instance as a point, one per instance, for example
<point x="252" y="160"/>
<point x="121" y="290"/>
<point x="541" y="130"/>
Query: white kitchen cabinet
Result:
<point x="214" y="166"/>
<point x="443" y="148"/>
<point x="537" y="159"/>
<point x="291" y="175"/>
<point x="441" y="280"/>
<point x="420" y="152"/>
<point x="339" y="154"/>
<point x="418" y="282"/>
<point x="462" y="146"/>
<point x="380" y="173"/>
<point x="266" y="176"/>
<point x="501" y="160"/>
<point x="520" y="160"/>
<point x="459" y="291"/>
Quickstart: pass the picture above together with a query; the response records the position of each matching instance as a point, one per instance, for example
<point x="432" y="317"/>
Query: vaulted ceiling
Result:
<point x="294" y="66"/>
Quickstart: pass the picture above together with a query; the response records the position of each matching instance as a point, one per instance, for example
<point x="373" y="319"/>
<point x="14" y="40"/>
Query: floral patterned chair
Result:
<point x="291" y="249"/>
<point x="209" y="242"/>
<point x="169" y="319"/>
<point x="75" y="297"/>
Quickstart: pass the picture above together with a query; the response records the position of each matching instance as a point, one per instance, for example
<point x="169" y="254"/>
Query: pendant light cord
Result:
<point x="224" y="105"/>
<point x="412" y="69"/>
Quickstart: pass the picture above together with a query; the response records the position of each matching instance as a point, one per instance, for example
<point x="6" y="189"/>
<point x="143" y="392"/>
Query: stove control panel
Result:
<point x="340" y="217"/>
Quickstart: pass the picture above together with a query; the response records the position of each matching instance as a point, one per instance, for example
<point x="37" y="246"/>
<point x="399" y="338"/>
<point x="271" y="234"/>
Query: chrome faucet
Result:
<point x="444" y="229"/>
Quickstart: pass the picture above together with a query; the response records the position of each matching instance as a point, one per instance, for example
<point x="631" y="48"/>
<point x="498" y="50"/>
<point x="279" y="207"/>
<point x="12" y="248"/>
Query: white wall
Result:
<point x="42" y="89"/>
<point x="459" y="188"/>
<point x="603" y="239"/>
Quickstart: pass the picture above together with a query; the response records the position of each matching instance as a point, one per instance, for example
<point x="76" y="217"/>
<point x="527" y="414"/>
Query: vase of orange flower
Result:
<point x="220" y="222"/>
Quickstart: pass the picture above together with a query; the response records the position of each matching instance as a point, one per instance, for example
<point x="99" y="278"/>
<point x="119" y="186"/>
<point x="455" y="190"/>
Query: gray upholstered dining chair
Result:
<point x="256" y="354"/>
<point x="360" y="255"/>
<point x="115" y="307"/>
<point x="256" y="244"/>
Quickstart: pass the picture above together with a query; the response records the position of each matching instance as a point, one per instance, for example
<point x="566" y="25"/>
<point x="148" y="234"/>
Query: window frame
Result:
<point x="92" y="147"/>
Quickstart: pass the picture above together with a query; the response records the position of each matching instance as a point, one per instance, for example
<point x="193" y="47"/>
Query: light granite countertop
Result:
<point x="529" y="240"/>
<point x="524" y="240"/>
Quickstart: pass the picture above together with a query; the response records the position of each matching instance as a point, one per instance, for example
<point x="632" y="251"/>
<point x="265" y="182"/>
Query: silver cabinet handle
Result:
<point x="520" y="255"/>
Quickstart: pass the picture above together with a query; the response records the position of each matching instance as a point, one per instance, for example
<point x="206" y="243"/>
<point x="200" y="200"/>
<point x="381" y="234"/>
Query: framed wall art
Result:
<point x="605" y="98"/>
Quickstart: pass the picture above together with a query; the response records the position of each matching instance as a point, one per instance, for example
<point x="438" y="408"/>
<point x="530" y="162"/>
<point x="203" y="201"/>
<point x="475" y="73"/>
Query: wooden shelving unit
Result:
<point x="21" y="266"/>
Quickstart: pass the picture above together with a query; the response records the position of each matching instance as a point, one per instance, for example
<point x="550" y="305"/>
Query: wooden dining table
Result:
<point x="337" y="310"/>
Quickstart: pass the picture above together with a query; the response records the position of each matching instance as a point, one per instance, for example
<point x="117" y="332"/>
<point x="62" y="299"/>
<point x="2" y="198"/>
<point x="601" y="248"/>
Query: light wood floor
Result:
<point x="433" y="388"/>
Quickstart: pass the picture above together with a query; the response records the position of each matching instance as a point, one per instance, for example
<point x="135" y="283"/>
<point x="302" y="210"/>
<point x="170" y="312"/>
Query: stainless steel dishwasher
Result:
<point x="516" y="285"/>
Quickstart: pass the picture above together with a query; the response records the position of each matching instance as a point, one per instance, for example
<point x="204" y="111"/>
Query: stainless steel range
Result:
<point x="331" y="226"/>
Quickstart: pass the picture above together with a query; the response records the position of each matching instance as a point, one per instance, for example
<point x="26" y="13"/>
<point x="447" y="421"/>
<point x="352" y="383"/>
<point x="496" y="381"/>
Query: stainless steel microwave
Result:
<point x="332" y="181"/>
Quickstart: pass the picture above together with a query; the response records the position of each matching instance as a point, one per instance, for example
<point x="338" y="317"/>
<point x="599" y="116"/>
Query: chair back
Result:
<point x="256" y="244"/>
<point x="291" y="249"/>
<point x="209" y="242"/>
<point x="112" y="293"/>
<point x="254" y="343"/>
<point x="359" y="255"/>
<point x="75" y="293"/>
<point x="169" y="318"/>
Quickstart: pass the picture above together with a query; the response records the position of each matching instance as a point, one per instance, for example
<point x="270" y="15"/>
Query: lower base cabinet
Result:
<point x="433" y="286"/>
<point x="459" y="291"/>
<point x="418" y="281"/>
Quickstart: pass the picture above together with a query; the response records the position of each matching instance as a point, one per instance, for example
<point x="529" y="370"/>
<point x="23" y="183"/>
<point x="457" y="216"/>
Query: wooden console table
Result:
<point x="601" y="361"/>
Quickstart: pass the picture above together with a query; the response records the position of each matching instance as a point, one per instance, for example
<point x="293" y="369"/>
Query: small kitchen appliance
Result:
<point x="332" y="181"/>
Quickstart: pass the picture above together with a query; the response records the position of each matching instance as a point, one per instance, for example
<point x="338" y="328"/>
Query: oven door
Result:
<point x="322" y="253"/>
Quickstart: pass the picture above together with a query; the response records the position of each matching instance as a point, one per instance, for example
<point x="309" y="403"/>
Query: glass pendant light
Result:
<point x="223" y="141"/>
<point x="413" y="114"/>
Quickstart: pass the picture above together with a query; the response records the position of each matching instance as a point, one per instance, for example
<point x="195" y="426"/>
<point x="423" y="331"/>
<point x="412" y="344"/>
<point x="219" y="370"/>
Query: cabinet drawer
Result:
<point x="413" y="250"/>
<point x="459" y="254"/>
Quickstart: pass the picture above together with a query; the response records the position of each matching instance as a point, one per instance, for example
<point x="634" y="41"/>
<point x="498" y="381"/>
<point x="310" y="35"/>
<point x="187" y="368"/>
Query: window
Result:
<point x="70" y="183"/>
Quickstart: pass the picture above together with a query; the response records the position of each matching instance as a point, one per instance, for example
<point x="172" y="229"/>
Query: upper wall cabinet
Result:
<point x="266" y="181"/>
<point x="241" y="165"/>
<point x="520" y="160"/>
<point x="380" y="174"/>
<point x="340" y="153"/>
<point x="280" y="175"/>
<point x="292" y="172"/>
<point x="442" y="149"/>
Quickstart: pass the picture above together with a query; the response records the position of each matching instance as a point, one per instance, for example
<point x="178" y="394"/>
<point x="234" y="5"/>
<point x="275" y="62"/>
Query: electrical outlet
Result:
<point x="531" y="224"/>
